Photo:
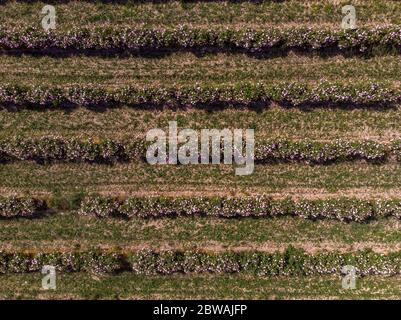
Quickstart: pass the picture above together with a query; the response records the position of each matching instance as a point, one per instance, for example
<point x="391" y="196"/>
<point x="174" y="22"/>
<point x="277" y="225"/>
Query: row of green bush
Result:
<point x="288" y="263"/>
<point x="15" y="207"/>
<point x="50" y="149"/>
<point x="131" y="40"/>
<point x="342" y="209"/>
<point x="249" y="95"/>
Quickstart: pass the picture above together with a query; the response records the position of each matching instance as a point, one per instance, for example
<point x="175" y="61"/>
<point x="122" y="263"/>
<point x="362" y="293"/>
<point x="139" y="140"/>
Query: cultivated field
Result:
<point x="77" y="193"/>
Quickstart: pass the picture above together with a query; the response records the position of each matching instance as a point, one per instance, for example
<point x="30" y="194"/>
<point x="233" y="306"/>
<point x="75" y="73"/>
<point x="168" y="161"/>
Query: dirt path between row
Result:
<point x="208" y="191"/>
<point x="214" y="246"/>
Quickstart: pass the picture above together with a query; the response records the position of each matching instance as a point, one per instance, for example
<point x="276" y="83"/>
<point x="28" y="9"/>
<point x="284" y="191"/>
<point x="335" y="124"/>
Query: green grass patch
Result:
<point x="128" y="286"/>
<point x="188" y="69"/>
<point x="172" y="13"/>
<point x="70" y="231"/>
<point x="274" y="123"/>
<point x="30" y="178"/>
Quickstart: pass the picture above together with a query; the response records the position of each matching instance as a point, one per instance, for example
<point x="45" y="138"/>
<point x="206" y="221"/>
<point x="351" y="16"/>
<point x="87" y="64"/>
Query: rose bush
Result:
<point x="131" y="40"/>
<point x="14" y="207"/>
<point x="288" y="263"/>
<point x="342" y="209"/>
<point x="242" y="95"/>
<point x="51" y="149"/>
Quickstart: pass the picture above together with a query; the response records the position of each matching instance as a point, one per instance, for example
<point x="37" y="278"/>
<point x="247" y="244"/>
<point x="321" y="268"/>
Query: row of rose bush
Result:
<point x="134" y="40"/>
<point x="15" y="207"/>
<point x="147" y="262"/>
<point x="326" y="152"/>
<point x="250" y="95"/>
<point x="49" y="149"/>
<point x="343" y="209"/>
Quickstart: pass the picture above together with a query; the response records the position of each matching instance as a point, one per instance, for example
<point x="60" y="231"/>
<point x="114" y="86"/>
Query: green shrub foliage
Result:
<point x="145" y="40"/>
<point x="14" y="207"/>
<point x="50" y="149"/>
<point x="250" y="95"/>
<point x="342" y="209"/>
<point x="147" y="262"/>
